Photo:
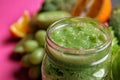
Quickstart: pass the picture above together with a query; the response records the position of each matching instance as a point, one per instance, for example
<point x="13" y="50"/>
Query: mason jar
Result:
<point x="77" y="49"/>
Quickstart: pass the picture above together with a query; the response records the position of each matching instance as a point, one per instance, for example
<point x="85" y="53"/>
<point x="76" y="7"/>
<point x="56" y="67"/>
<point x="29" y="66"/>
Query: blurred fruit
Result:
<point x="19" y="47"/>
<point x="105" y="11"/>
<point x="30" y="45"/>
<point x="20" y="29"/>
<point x="98" y="9"/>
<point x="46" y="18"/>
<point x="25" y="61"/>
<point x="40" y="37"/>
<point x="36" y="56"/>
<point x="34" y="72"/>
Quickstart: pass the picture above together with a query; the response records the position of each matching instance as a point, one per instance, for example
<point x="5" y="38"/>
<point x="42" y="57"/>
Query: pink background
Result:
<point x="10" y="11"/>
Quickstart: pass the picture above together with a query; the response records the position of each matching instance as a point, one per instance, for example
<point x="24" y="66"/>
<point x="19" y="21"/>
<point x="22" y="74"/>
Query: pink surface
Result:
<point x="10" y="11"/>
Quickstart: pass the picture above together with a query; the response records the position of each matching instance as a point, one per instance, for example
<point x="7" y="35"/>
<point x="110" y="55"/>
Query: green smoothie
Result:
<point x="80" y="36"/>
<point x="76" y="50"/>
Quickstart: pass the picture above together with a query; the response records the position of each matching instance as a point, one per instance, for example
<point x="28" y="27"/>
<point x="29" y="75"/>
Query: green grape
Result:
<point x="25" y="61"/>
<point x="34" y="72"/>
<point x="36" y="56"/>
<point x="19" y="46"/>
<point x="19" y="49"/>
<point x="30" y="45"/>
<point x="40" y="37"/>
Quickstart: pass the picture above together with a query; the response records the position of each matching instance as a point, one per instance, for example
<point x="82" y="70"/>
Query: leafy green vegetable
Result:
<point x="115" y="57"/>
<point x="115" y="45"/>
<point x="116" y="66"/>
<point x="115" y="22"/>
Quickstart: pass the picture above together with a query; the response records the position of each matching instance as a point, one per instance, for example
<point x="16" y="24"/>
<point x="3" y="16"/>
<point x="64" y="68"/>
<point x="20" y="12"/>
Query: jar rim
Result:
<point x="96" y="49"/>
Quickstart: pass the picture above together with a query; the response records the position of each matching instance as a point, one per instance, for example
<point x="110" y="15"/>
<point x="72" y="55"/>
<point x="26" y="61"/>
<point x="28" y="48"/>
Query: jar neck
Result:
<point x="65" y="59"/>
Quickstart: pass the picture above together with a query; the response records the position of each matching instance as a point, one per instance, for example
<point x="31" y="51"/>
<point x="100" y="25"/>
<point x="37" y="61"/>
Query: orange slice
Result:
<point x="98" y="9"/>
<point x="20" y="28"/>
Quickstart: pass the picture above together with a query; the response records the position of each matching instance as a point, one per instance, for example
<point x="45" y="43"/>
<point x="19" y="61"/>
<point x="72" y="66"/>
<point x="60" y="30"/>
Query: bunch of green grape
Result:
<point x="32" y="49"/>
<point x="32" y="46"/>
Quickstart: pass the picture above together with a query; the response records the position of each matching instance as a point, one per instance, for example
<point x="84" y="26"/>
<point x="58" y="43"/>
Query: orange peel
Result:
<point x="98" y="9"/>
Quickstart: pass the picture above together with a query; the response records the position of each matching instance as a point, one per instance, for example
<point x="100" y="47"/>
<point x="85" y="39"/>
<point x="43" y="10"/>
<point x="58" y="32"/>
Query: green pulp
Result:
<point x="78" y="36"/>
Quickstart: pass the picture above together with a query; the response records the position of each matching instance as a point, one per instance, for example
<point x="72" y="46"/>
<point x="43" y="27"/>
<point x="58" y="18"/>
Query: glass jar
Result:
<point x="61" y="63"/>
